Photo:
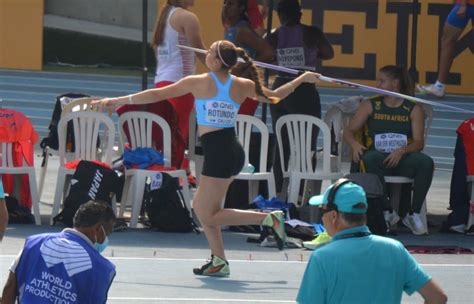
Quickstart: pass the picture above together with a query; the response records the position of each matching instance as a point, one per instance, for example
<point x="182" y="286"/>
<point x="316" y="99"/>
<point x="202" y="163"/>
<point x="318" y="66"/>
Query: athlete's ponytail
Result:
<point x="158" y="33"/>
<point x="254" y="75"/>
<point x="228" y="54"/>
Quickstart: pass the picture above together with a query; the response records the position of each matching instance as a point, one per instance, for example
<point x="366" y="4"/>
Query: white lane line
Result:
<point x="447" y="265"/>
<point x="226" y="300"/>
<point x="238" y="261"/>
<point x="200" y="260"/>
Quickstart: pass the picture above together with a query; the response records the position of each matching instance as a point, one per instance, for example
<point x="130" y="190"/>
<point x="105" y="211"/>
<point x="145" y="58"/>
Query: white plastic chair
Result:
<point x="339" y="120"/>
<point x="7" y="167"/>
<point x="470" y="222"/>
<point x="243" y="127"/>
<point x="87" y="128"/>
<point x="300" y="165"/>
<point x="77" y="104"/>
<point x="140" y="126"/>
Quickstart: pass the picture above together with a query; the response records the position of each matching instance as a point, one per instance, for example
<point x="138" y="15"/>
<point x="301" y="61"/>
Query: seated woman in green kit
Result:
<point x="394" y="137"/>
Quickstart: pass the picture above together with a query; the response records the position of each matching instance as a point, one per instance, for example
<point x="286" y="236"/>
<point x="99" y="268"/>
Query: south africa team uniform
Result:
<point x="387" y="130"/>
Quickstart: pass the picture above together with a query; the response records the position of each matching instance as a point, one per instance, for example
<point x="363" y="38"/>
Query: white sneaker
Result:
<point x="458" y="228"/>
<point x="470" y="230"/>
<point x="391" y="218"/>
<point x="415" y="224"/>
<point x="431" y="90"/>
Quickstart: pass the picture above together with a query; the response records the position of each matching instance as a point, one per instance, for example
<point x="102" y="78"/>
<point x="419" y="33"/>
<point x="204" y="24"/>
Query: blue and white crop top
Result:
<point x="220" y="110"/>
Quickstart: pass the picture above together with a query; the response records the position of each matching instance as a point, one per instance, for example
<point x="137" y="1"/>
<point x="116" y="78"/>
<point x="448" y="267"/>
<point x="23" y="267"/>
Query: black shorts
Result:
<point x="224" y="156"/>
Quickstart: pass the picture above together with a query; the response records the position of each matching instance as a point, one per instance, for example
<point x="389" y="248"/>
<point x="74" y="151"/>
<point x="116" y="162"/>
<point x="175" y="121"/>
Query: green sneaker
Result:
<point x="275" y="222"/>
<point x="322" y="239"/>
<point x="216" y="267"/>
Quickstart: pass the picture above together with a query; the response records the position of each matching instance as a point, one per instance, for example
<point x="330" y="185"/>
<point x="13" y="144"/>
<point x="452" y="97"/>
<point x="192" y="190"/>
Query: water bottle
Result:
<point x="248" y="168"/>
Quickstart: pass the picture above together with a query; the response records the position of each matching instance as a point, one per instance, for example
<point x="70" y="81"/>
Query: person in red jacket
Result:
<point x="16" y="128"/>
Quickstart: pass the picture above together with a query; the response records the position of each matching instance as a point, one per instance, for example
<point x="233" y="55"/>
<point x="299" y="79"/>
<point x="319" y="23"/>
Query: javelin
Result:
<point x="342" y="82"/>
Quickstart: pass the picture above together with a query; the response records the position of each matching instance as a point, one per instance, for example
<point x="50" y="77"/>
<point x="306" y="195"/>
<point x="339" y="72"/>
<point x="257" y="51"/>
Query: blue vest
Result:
<point x="220" y="110"/>
<point x="62" y="268"/>
<point x="231" y="35"/>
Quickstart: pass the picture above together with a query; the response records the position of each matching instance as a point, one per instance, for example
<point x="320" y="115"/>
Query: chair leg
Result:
<point x="253" y="189"/>
<point x="58" y="194"/>
<point x="424" y="214"/>
<point x="271" y="187"/>
<point x="17" y="183"/>
<point x="294" y="190"/>
<point x="43" y="171"/>
<point x="181" y="174"/>
<point x="198" y="163"/>
<point x="114" y="204"/>
<point x="137" y="199"/>
<point x="470" y="221"/>
<point x="125" y="194"/>
<point x="34" y="196"/>
<point x="311" y="188"/>
<point x="395" y="190"/>
<point x="284" y="189"/>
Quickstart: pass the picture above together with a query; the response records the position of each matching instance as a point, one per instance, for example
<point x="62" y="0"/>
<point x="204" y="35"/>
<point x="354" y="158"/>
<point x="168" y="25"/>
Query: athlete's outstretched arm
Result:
<point x="180" y="88"/>
<point x="288" y="88"/>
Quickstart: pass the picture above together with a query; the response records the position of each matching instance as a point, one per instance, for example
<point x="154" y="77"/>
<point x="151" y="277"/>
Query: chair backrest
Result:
<point x="299" y="129"/>
<point x="338" y="120"/>
<point x="428" y="118"/>
<point x="140" y="126"/>
<point x="14" y="124"/>
<point x="243" y="128"/>
<point x="78" y="104"/>
<point x="6" y="155"/>
<point x="87" y="128"/>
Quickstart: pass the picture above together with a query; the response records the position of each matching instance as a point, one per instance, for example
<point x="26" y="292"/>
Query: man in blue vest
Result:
<point x="3" y="211"/>
<point x="65" y="267"/>
<point x="356" y="266"/>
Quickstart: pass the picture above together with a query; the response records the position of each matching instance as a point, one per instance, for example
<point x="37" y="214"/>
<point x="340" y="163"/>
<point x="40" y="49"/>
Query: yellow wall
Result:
<point x="379" y="40"/>
<point x="21" y="34"/>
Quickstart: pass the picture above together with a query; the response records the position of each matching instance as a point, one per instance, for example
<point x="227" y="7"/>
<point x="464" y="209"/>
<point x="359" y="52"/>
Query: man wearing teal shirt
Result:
<point x="356" y="266"/>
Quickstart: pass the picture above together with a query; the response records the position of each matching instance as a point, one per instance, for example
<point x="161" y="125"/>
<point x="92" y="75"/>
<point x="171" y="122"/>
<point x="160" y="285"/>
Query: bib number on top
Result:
<point x="389" y="142"/>
<point x="291" y="57"/>
<point x="220" y="112"/>
<point x="164" y="52"/>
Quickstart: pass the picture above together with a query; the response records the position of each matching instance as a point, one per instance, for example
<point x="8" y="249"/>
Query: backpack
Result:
<point x="52" y="140"/>
<point x="165" y="206"/>
<point x="18" y="214"/>
<point x="90" y="181"/>
<point x="375" y="199"/>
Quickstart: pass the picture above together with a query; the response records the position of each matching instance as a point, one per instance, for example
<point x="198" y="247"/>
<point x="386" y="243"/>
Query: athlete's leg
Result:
<point x="420" y="167"/>
<point x="448" y="42"/>
<point x="208" y="206"/>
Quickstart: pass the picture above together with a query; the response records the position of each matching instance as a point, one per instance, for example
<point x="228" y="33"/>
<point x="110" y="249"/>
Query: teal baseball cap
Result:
<point x="345" y="197"/>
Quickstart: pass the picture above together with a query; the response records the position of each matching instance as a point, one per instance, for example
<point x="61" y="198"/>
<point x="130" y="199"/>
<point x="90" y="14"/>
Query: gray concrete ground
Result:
<point x="154" y="267"/>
